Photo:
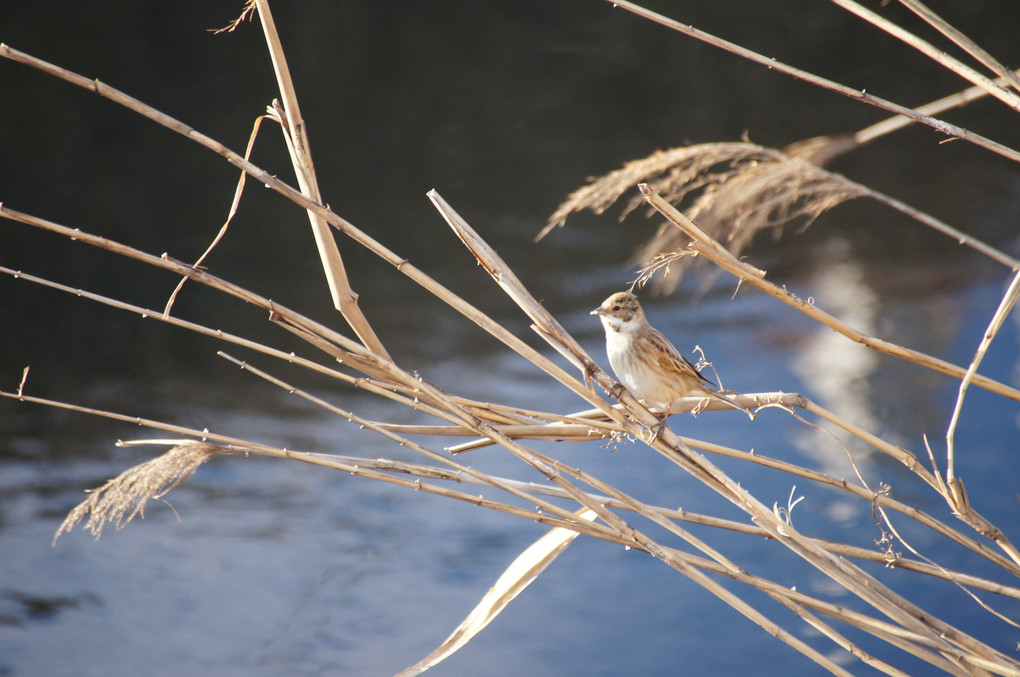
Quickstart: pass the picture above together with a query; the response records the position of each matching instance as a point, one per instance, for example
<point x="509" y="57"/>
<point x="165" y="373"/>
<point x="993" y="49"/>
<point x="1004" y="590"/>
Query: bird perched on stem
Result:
<point x="645" y="361"/>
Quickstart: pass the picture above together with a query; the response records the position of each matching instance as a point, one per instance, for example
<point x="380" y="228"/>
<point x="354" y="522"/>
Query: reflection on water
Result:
<point x="266" y="567"/>
<point x="833" y="367"/>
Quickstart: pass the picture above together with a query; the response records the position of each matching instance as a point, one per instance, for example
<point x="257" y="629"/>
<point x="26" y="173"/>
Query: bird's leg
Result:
<point x="658" y="427"/>
<point x="616" y="391"/>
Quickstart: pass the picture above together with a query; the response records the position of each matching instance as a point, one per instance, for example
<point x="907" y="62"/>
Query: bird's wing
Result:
<point x="671" y="360"/>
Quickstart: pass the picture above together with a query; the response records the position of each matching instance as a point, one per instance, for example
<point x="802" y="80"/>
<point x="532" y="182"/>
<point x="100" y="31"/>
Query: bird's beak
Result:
<point x="597" y="311"/>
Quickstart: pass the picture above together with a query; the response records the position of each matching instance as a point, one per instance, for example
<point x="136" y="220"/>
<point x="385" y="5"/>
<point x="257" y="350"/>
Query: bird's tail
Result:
<point x="720" y="397"/>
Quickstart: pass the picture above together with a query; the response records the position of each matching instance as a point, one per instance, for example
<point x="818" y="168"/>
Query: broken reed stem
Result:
<point x="920" y="629"/>
<point x="957" y="496"/>
<point x="403" y="265"/>
<point x="577" y="427"/>
<point x="580" y="427"/>
<point x="295" y="134"/>
<point x="1005" y="306"/>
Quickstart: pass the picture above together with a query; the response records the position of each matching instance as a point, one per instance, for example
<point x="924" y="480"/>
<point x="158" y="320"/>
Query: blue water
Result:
<point x="259" y="566"/>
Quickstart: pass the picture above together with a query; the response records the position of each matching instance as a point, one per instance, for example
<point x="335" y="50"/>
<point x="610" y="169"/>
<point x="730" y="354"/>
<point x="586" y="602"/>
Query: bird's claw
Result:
<point x="658" y="428"/>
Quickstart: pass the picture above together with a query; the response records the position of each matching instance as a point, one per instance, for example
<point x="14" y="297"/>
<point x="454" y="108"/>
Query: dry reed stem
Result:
<point x="582" y="421"/>
<point x="295" y="134"/>
<point x="963" y="41"/>
<point x="918" y="633"/>
<point x="848" y="576"/>
<point x="403" y="265"/>
<point x="706" y="246"/>
<point x="957" y="496"/>
<point x="821" y="150"/>
<point x="1008" y="97"/>
<point x="856" y="94"/>
<point x="711" y="249"/>
<point x="545" y="325"/>
<point x="742" y="189"/>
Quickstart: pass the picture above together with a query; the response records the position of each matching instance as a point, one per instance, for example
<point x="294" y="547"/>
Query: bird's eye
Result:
<point x="616" y="308"/>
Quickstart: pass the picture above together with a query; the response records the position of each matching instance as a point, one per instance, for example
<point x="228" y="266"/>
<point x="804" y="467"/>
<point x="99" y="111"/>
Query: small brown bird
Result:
<point x="645" y="361"/>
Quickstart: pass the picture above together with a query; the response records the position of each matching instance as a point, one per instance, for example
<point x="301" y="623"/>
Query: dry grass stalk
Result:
<point x="703" y="244"/>
<point x="963" y="41"/>
<point x="863" y="96"/>
<point x="1008" y="97"/>
<point x="851" y="578"/>
<point x="124" y="497"/>
<point x="566" y="491"/>
<point x="295" y="134"/>
<point x="957" y="495"/>
<point x="736" y="191"/>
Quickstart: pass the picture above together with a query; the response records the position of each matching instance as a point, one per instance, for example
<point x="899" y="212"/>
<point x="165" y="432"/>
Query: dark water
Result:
<point x="276" y="568"/>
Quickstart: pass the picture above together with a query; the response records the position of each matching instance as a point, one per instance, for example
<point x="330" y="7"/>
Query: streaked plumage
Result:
<point x="644" y="360"/>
